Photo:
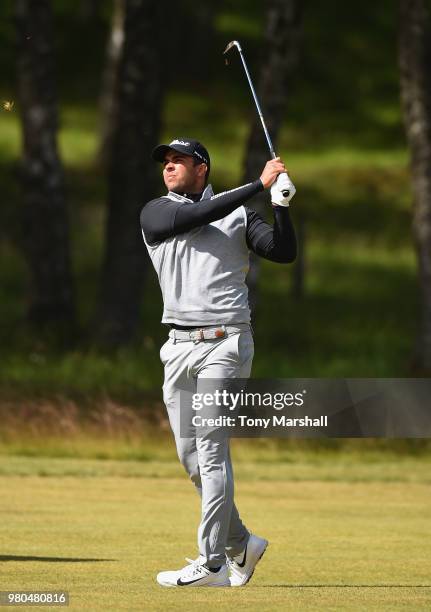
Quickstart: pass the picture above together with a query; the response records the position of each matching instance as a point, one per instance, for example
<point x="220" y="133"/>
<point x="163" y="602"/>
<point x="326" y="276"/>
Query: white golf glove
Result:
<point x="283" y="183"/>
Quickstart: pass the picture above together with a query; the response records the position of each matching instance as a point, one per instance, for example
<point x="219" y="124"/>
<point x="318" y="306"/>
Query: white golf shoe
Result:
<point x="195" y="575"/>
<point x="242" y="566"/>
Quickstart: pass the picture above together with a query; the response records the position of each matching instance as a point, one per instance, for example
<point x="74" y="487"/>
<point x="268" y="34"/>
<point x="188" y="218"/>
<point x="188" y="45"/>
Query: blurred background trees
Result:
<point x="110" y="81"/>
<point x="45" y="227"/>
<point x="131" y="179"/>
<point x="415" y="78"/>
<point x="118" y="77"/>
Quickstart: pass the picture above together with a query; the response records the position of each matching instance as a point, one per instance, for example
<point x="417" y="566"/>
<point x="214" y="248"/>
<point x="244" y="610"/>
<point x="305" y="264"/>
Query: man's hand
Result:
<point x="283" y="185"/>
<point x="272" y="169"/>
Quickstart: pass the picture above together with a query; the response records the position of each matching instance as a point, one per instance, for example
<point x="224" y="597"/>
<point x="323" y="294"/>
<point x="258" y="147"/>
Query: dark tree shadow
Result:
<point x="50" y="559"/>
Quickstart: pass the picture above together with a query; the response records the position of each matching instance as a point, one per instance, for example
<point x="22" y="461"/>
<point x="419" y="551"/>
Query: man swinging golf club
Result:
<point x="199" y="245"/>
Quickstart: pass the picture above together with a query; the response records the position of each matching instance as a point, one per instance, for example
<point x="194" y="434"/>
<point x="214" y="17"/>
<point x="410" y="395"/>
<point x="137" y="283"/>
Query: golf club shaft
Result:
<point x="285" y="192"/>
<point x="259" y="110"/>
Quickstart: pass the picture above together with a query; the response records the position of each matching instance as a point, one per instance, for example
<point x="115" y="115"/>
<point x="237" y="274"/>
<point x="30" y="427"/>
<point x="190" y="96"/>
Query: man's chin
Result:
<point x="177" y="187"/>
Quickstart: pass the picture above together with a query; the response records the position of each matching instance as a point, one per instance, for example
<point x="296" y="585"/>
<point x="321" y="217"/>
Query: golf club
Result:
<point x="288" y="186"/>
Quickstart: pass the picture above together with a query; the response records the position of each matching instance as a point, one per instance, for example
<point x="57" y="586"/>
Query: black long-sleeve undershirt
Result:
<point x="274" y="242"/>
<point x="163" y="218"/>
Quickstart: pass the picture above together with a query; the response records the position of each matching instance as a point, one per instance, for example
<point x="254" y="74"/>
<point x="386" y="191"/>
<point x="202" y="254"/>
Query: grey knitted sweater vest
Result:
<point x="202" y="272"/>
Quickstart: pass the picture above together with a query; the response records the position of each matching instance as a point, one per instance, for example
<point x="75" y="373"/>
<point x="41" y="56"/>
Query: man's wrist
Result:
<point x="279" y="206"/>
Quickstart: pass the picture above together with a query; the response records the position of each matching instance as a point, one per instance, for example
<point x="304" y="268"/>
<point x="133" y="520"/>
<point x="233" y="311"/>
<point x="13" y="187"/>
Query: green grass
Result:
<point x="257" y="461"/>
<point x="103" y="530"/>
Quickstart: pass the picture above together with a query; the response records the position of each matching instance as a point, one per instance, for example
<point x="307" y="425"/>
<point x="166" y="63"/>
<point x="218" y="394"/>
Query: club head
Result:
<point x="233" y="43"/>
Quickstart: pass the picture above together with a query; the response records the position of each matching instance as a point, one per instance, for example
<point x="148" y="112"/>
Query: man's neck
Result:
<point x="191" y="196"/>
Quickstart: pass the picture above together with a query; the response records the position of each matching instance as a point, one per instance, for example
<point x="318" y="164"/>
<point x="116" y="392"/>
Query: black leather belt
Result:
<point x="186" y="327"/>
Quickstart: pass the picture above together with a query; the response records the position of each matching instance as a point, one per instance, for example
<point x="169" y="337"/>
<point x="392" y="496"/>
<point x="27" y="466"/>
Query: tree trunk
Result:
<point x="90" y="10"/>
<point x="45" y="217"/>
<point x="280" y="53"/>
<point x="109" y="95"/>
<point x="415" y="79"/>
<point x="131" y="174"/>
<point x="197" y="56"/>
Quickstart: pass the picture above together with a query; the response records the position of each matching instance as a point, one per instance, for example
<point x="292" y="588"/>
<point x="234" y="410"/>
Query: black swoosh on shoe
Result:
<point x="181" y="583"/>
<point x="244" y="559"/>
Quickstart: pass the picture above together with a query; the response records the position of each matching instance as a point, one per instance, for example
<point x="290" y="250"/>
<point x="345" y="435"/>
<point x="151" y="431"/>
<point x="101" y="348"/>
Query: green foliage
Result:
<point x="342" y="139"/>
<point x="358" y="314"/>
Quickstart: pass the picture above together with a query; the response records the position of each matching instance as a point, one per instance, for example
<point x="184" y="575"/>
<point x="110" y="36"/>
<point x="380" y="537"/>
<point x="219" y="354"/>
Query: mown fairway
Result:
<point x="359" y="540"/>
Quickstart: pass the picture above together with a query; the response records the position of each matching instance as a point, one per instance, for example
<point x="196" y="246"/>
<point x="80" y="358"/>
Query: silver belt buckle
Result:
<point x="197" y="336"/>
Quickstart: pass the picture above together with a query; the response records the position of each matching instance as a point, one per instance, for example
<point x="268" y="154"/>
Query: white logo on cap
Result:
<point x="180" y="142"/>
<point x="200" y="156"/>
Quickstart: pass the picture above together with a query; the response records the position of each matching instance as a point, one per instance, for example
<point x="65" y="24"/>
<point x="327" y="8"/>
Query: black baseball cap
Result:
<point x="188" y="146"/>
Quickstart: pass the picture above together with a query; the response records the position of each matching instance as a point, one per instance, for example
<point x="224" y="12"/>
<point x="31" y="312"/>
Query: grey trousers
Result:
<point x="207" y="460"/>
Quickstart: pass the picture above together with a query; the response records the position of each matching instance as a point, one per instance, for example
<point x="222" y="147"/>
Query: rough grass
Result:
<point x="112" y="430"/>
<point x="103" y="536"/>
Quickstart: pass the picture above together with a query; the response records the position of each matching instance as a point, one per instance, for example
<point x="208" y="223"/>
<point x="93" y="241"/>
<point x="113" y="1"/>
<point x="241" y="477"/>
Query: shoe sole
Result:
<point x="251" y="575"/>
<point x="170" y="585"/>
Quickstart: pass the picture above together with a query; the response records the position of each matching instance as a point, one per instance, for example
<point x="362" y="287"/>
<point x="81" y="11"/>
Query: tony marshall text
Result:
<point x="245" y="421"/>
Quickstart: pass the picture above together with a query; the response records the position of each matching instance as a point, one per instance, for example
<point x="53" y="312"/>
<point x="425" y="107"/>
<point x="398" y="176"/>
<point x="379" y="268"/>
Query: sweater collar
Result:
<point x="207" y="193"/>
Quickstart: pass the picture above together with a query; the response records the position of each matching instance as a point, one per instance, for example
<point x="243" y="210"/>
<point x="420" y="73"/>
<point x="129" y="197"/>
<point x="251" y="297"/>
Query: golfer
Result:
<point x="199" y="245"/>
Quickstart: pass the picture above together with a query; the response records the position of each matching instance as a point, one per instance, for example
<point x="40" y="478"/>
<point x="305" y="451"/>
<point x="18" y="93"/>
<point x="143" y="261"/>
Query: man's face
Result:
<point x="182" y="174"/>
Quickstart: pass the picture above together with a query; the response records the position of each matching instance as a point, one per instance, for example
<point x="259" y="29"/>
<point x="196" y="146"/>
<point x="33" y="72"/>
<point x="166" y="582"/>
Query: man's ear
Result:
<point x="202" y="170"/>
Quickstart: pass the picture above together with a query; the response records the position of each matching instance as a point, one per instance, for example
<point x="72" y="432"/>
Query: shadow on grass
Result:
<point x="51" y="559"/>
<point x="348" y="586"/>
